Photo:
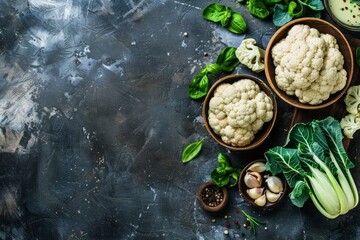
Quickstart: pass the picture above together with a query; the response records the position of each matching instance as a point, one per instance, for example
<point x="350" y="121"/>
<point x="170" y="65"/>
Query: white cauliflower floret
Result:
<point x="251" y="55"/>
<point x="237" y="118"/>
<point x="309" y="65"/>
<point x="352" y="100"/>
<point x="350" y="124"/>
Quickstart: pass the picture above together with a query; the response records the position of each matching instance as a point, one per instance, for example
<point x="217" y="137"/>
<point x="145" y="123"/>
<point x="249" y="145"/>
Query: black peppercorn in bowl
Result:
<point x="212" y="197"/>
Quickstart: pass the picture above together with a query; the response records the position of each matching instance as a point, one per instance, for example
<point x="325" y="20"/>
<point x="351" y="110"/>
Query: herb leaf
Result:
<point x="229" y="19"/>
<point x="224" y="174"/>
<point x="258" y="8"/>
<point x="226" y="61"/>
<point x="357" y="54"/>
<point x="192" y="150"/>
<point x="254" y="222"/>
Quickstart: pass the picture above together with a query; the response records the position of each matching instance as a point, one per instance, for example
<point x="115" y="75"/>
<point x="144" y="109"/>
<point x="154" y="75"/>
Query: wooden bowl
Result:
<point x="221" y="206"/>
<point x="323" y="27"/>
<point x="260" y="136"/>
<point x="243" y="187"/>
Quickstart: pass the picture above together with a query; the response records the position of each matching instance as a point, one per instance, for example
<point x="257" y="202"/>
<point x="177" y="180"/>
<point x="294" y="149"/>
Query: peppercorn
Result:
<point x="212" y="196"/>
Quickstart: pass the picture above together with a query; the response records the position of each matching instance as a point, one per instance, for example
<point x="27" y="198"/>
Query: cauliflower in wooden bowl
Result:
<point x="309" y="63"/>
<point x="239" y="111"/>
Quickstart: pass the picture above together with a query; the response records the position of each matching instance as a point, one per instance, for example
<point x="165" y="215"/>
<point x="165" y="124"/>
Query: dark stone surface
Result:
<point x="95" y="114"/>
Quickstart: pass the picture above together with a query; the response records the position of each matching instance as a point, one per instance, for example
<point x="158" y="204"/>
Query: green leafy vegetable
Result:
<point x="192" y="150"/>
<point x="258" y="8"/>
<point x="229" y="19"/>
<point x="254" y="222"/>
<point x="357" y="55"/>
<point x="224" y="174"/>
<point x="226" y="62"/>
<point x="316" y="165"/>
<point x="281" y="15"/>
<point x="283" y="11"/>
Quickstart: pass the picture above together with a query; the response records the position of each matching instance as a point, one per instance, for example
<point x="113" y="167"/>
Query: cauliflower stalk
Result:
<point x="238" y="111"/>
<point x="251" y="55"/>
<point x="351" y="122"/>
<point x="309" y="65"/>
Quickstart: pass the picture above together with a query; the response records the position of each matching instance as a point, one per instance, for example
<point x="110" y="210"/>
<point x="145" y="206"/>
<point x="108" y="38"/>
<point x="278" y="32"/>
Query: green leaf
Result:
<point x="235" y="177"/>
<point x="271" y="2"/>
<point x="229" y="19"/>
<point x="285" y="160"/>
<point x="213" y="68"/>
<point x="281" y="16"/>
<point x="219" y="179"/>
<point x="227" y="59"/>
<point x="223" y="160"/>
<point x="199" y="87"/>
<point x="357" y="55"/>
<point x="192" y="150"/>
<point x="258" y="8"/>
<point x="237" y="24"/>
<point x="295" y="10"/>
<point x="300" y="194"/>
<point x="316" y="5"/>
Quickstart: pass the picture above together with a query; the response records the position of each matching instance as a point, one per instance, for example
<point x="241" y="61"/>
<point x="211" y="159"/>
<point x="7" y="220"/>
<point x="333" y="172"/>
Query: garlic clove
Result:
<point x="274" y="184"/>
<point x="257" y="167"/>
<point x="255" y="193"/>
<point x="261" y="201"/>
<point x="272" y="197"/>
<point x="252" y="179"/>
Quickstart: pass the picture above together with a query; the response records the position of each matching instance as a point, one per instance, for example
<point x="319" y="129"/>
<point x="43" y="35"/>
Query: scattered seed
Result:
<point x="227" y="224"/>
<point x="226" y="232"/>
<point x="186" y="34"/>
<point x="213" y="220"/>
<point x="226" y="216"/>
<point x="206" y="54"/>
<point x="265" y="228"/>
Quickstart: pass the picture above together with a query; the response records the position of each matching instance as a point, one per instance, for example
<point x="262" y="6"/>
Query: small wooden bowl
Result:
<point x="205" y="206"/>
<point x="243" y="187"/>
<point x="323" y="27"/>
<point x="260" y="136"/>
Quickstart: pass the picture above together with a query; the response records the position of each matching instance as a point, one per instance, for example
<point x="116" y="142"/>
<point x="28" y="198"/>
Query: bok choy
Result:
<point x="316" y="166"/>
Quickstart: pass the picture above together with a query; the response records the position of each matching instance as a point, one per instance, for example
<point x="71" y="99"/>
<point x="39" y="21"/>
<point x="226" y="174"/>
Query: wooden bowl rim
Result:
<point x="267" y="127"/>
<point x="293" y="100"/>
<point x="219" y="207"/>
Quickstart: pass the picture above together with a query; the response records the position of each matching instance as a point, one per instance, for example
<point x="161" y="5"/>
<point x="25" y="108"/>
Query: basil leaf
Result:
<point x="281" y="16"/>
<point x="227" y="59"/>
<point x="237" y="24"/>
<point x="223" y="160"/>
<point x="235" y="177"/>
<point x="213" y="68"/>
<point x="214" y="12"/>
<point x="316" y="5"/>
<point x="219" y="180"/>
<point x="258" y="8"/>
<point x="199" y="87"/>
<point x="295" y="10"/>
<point x="229" y="19"/>
<point x="192" y="150"/>
<point x="357" y="55"/>
<point x="272" y="2"/>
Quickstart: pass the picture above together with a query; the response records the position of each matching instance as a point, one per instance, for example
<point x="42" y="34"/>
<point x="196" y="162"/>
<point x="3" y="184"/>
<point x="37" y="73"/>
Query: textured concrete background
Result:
<point x="94" y="116"/>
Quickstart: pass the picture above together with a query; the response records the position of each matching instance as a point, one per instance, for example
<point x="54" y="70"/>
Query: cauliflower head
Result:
<point x="251" y="55"/>
<point x="309" y="65"/>
<point x="238" y="111"/>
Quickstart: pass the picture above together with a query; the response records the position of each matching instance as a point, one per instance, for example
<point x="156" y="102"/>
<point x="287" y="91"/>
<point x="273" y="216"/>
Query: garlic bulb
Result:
<point x="261" y="201"/>
<point x="257" y="167"/>
<point x="274" y="184"/>
<point x="255" y="193"/>
<point x="272" y="197"/>
<point x="253" y="179"/>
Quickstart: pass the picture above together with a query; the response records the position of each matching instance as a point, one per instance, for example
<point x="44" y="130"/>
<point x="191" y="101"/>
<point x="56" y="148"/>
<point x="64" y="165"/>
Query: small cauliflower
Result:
<point x="251" y="55"/>
<point x="309" y="65"/>
<point x="352" y="99"/>
<point x="238" y="111"/>
<point x="350" y="124"/>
